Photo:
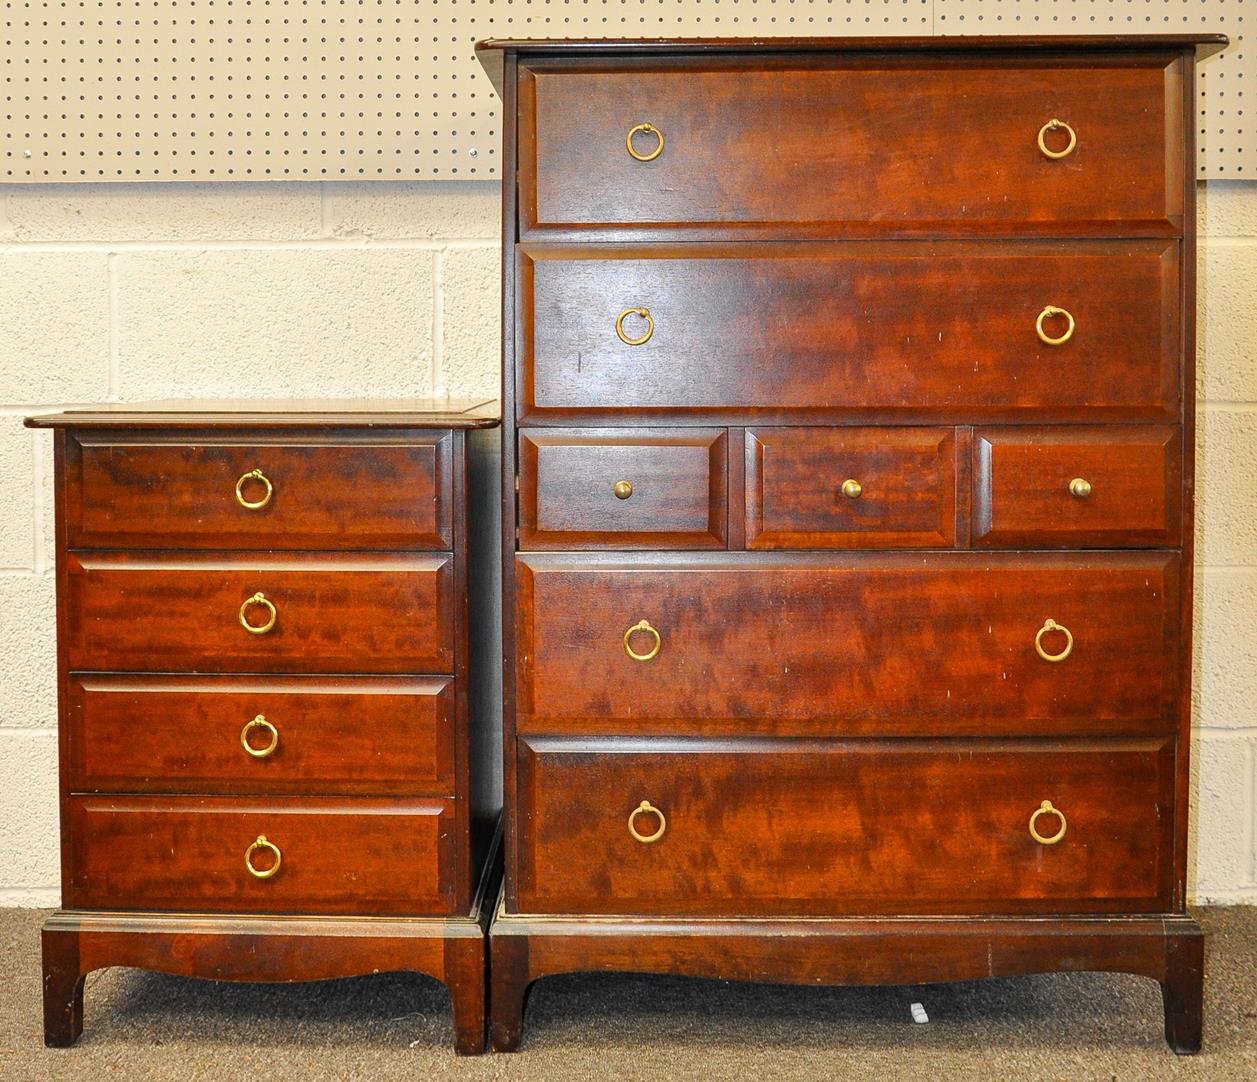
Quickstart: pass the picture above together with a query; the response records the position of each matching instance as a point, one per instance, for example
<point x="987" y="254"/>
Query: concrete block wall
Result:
<point x="127" y="293"/>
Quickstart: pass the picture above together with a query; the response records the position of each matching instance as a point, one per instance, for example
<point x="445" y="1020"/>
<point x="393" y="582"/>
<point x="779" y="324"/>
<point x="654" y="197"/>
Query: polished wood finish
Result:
<point x="1022" y="479"/>
<point x="796" y="499"/>
<point x="170" y="705"/>
<point x="675" y="495"/>
<point x="783" y="332"/>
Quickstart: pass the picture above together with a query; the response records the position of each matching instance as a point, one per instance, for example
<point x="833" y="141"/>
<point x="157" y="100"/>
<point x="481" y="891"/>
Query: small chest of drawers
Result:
<point x="266" y="730"/>
<point x="848" y="407"/>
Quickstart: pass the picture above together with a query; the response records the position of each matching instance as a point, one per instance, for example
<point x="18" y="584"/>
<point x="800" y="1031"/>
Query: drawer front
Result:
<point x="838" y="488"/>
<point x="623" y="488"/>
<point x="887" y="144"/>
<point x="1099" y="487"/>
<point x="312" y="735"/>
<point x="387" y="490"/>
<point x="189" y="853"/>
<point x="800" y="827"/>
<point x="160" y="612"/>
<point x="947" y="332"/>
<point x="938" y="644"/>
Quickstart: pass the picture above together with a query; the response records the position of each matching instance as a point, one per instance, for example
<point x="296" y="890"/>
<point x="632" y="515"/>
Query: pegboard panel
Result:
<point x="1226" y="135"/>
<point x="133" y="90"/>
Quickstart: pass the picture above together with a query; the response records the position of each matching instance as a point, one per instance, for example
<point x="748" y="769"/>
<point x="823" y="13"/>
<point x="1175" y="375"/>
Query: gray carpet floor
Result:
<point x="1057" y="1028"/>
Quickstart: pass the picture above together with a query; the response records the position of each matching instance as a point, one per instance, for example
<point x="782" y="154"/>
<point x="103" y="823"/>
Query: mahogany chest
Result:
<point x="847" y="476"/>
<point x="273" y="759"/>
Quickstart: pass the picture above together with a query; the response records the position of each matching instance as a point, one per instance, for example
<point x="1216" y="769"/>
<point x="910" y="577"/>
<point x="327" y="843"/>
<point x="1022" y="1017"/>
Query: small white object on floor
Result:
<point x="918" y="1013"/>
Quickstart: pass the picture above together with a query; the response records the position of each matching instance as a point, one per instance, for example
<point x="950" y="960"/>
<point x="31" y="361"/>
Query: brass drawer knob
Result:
<point x="647" y="808"/>
<point x="261" y="478"/>
<point x="641" y="340"/>
<point x="644" y="626"/>
<point x="1080" y="487"/>
<point x="1056" y="125"/>
<point x="257" y="629"/>
<point x="1046" y="809"/>
<point x="259" y="722"/>
<point x="852" y="489"/>
<point x="1052" y="625"/>
<point x="262" y="843"/>
<point x="644" y="129"/>
<point x="623" y="490"/>
<point x="1052" y="310"/>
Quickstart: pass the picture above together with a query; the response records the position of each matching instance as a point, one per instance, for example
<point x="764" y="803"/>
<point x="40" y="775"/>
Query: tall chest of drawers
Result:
<point x="273" y="761"/>
<point x="847" y="474"/>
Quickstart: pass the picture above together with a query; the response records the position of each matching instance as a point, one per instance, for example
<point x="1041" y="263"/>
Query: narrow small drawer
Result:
<point x="624" y="488"/>
<point x="839" y="488"/>
<point x="170" y="612"/>
<point x="226" y="855"/>
<point x="380" y="490"/>
<point x="279" y="734"/>
<point x="1077" y="487"/>
<point x="731" y="828"/>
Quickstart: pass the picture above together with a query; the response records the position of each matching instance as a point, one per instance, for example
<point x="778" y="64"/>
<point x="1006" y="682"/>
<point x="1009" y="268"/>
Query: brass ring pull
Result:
<point x="254" y="505"/>
<point x="642" y="625"/>
<point x="1052" y="310"/>
<point x="646" y="807"/>
<point x="1046" y="809"/>
<point x="257" y="629"/>
<point x="259" y="722"/>
<point x="622" y="489"/>
<point x="645" y="129"/>
<point x="1056" y="125"/>
<point x="262" y="843"/>
<point x="1052" y="625"/>
<point x="852" y="489"/>
<point x="650" y="326"/>
<point x="1080" y="487"/>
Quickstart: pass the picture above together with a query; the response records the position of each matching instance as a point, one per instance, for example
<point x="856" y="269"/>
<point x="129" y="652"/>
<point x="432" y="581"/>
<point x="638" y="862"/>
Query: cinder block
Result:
<point x="54" y="326"/>
<point x="471" y="316"/>
<point x="1227" y="208"/>
<point x="1226" y="363"/>
<point x="270" y="323"/>
<point x="1226" y="650"/>
<point x="118" y="212"/>
<point x="1222" y="815"/>
<point x="17" y="495"/>
<point x="28" y="652"/>
<point x="431" y="210"/>
<point x="1226" y="487"/>
<point x="30" y="838"/>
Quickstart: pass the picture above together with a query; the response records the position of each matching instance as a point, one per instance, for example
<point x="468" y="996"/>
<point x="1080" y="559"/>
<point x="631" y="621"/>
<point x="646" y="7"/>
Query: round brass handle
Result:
<point x="254" y="505"/>
<point x="623" y="490"/>
<point x="1080" y="487"/>
<point x="262" y="843"/>
<point x="1052" y="625"/>
<point x="1056" y="125"/>
<point x="1052" y="310"/>
<point x="1046" y="809"/>
<point x="259" y="722"/>
<point x="852" y="489"/>
<point x="642" y="625"/>
<point x="646" y="808"/>
<point x="257" y="629"/>
<point x="644" y="313"/>
<point x="645" y="129"/>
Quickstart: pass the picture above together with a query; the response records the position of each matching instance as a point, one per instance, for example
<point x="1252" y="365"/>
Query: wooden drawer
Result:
<point x="622" y="488"/>
<point x="1099" y="487"/>
<point x="838" y="488"/>
<point x="165" y="612"/>
<point x="853" y="145"/>
<point x="940" y="643"/>
<point x="801" y="827"/>
<point x="188" y="853"/>
<point x="152" y="490"/>
<point x="947" y="332"/>
<point x="327" y="734"/>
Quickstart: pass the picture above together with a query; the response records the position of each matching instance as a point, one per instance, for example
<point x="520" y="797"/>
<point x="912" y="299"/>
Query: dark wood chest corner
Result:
<point x="847" y="524"/>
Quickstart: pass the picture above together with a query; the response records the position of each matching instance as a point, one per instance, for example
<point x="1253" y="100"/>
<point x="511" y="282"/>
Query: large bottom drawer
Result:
<point x="732" y="828"/>
<point x="226" y="855"/>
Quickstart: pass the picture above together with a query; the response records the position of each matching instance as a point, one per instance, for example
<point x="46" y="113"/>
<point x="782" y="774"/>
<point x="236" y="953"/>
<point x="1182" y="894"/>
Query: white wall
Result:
<point x="129" y="293"/>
